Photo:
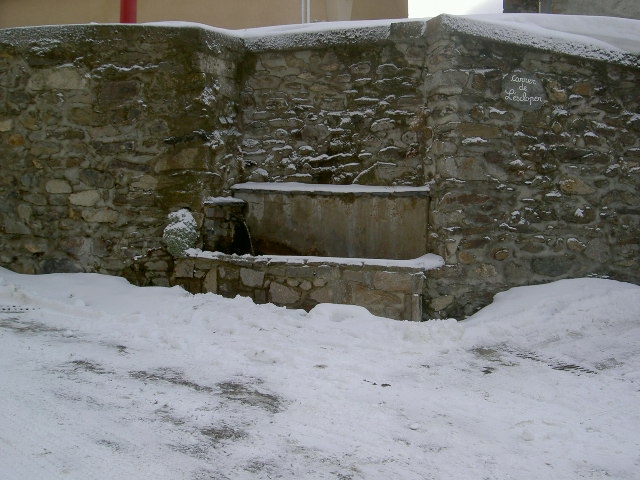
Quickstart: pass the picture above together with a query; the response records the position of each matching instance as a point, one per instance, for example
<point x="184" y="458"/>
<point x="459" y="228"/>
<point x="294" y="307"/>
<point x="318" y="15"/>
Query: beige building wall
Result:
<point x="232" y="14"/>
<point x="18" y="13"/>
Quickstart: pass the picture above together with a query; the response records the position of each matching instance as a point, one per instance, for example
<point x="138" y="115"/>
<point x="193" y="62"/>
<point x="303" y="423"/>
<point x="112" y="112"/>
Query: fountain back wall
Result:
<point x="351" y="221"/>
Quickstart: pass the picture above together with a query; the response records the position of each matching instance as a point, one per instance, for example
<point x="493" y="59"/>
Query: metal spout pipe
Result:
<point x="305" y="11"/>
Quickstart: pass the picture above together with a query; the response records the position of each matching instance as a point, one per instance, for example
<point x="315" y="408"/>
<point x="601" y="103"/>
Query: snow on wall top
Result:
<point x="611" y="39"/>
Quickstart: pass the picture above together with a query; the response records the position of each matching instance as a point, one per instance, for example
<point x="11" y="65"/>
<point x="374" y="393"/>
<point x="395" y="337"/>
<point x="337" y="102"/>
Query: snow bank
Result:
<point x="103" y="379"/>
<point x="585" y="319"/>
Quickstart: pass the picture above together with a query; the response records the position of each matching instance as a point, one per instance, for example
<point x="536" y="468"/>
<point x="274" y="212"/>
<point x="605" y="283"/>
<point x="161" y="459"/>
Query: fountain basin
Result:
<point x="386" y="287"/>
<point x="298" y="245"/>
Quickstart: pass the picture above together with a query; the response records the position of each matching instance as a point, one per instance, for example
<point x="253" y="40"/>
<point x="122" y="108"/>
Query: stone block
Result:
<point x="371" y="298"/>
<point x="354" y="276"/>
<point x="184" y="268"/>
<point x="260" y="296"/>
<point x="552" y="266"/>
<point x="265" y="82"/>
<point x="145" y="182"/>
<point x="96" y="179"/>
<point x="252" y="278"/>
<point x="393" y="282"/>
<point x="16" y="140"/>
<point x="210" y="283"/>
<point x="301" y="272"/>
<point x="64" y="78"/>
<point x="383" y="125"/>
<point x="11" y="226"/>
<point x="598" y="250"/>
<point x="86" y="198"/>
<point x="441" y="303"/>
<point x="36" y="246"/>
<point x="118" y="92"/>
<point x="478" y="130"/>
<point x="283" y="295"/>
<point x="319" y="282"/>
<point x="186" y="159"/>
<point x="463" y="168"/>
<point x="466" y="258"/>
<point x="160" y="282"/>
<point x="454" y="200"/>
<point x="157" y="266"/>
<point x="273" y="61"/>
<point x="361" y="68"/>
<point x="323" y="295"/>
<point x="104" y="215"/>
<point x="575" y="186"/>
<point x="500" y="254"/>
<point x="24" y="212"/>
<point x="6" y="125"/>
<point x="584" y="89"/>
<point x="485" y="271"/>
<point x="58" y="186"/>
<point x="575" y="245"/>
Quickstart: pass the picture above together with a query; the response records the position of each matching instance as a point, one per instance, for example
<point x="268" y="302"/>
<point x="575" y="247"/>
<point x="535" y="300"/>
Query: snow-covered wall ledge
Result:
<point x="525" y="127"/>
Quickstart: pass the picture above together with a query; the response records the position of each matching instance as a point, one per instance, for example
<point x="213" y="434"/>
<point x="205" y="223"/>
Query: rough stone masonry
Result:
<point x="531" y="152"/>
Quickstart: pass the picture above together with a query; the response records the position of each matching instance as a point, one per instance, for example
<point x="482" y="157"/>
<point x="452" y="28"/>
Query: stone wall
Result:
<point x="528" y="192"/>
<point x="341" y="112"/>
<point x="105" y="130"/>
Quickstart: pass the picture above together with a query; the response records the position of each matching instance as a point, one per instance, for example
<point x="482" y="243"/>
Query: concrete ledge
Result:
<point x="327" y="189"/>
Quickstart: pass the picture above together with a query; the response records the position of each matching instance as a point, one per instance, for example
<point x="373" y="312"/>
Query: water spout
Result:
<point x="248" y="232"/>
<point x="241" y="241"/>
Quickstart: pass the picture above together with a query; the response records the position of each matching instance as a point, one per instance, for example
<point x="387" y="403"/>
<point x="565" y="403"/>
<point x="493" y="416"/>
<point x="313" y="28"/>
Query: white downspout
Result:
<point x="305" y="11"/>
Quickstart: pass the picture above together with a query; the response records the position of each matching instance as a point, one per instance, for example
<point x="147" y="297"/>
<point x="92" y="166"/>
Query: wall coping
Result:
<point x="223" y="201"/>
<point x="329" y="189"/>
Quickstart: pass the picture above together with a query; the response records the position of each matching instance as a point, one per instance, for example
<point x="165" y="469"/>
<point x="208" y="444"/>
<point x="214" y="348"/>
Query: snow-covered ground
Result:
<point x="104" y="380"/>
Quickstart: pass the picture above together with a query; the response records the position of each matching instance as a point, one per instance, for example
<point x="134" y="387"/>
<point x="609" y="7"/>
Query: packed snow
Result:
<point x="103" y="380"/>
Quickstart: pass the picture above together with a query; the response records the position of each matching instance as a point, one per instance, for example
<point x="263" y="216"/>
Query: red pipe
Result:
<point x="128" y="11"/>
